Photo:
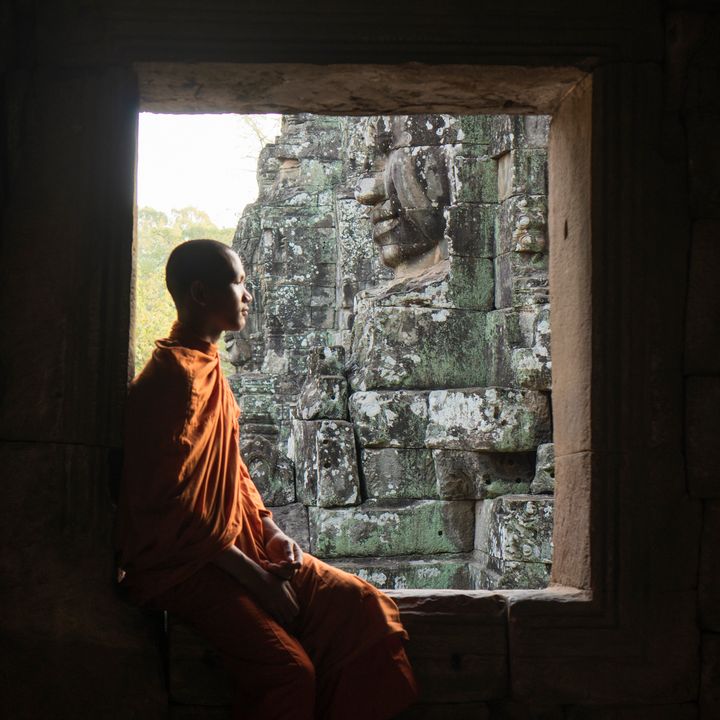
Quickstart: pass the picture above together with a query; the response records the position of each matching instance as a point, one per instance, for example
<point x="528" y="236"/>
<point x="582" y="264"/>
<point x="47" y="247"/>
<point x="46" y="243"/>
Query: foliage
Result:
<point x="157" y="235"/>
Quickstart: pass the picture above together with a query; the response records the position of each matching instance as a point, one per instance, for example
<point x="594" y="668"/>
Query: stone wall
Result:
<point x="393" y="422"/>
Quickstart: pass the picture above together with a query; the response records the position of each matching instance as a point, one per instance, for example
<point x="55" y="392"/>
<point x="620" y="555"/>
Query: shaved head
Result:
<point x="209" y="261"/>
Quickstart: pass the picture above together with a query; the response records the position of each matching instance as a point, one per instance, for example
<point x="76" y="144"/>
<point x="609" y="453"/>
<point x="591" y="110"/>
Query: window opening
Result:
<point x="394" y="375"/>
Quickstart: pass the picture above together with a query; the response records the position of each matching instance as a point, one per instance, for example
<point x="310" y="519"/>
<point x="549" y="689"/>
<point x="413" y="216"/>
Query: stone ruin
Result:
<point x="394" y="374"/>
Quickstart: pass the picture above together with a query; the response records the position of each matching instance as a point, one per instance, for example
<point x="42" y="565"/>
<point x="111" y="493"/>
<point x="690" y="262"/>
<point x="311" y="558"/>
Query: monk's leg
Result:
<point x="350" y="628"/>
<point x="273" y="677"/>
<point x="384" y="669"/>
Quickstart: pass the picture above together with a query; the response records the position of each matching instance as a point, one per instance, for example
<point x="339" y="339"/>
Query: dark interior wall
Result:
<point x="69" y="113"/>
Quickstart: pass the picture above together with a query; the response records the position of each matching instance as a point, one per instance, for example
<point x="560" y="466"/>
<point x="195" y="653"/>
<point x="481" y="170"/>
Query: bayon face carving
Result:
<point x="407" y="186"/>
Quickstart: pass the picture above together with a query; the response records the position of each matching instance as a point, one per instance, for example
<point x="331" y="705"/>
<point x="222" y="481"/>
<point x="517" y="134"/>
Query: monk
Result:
<point x="300" y="639"/>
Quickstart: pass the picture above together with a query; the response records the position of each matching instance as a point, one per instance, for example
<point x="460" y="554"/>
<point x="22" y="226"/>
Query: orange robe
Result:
<point x="185" y="496"/>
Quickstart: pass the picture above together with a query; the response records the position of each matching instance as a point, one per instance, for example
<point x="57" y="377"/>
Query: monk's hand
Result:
<point x="277" y="597"/>
<point x="284" y="555"/>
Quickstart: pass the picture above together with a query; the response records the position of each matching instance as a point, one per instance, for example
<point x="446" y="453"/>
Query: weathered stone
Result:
<point x="325" y="461"/>
<point x="474" y="179"/>
<point x="491" y="573"/>
<point x="521" y="279"/>
<point x="398" y="473"/>
<point x="400" y="347"/>
<point x="532" y="366"/>
<point x="493" y="419"/>
<point x="522" y="225"/>
<point x="293" y="521"/>
<point x="464" y="474"/>
<point x="270" y="470"/>
<point x="326" y="361"/>
<point x="409" y="299"/>
<point x="508" y="132"/>
<point x="522" y="172"/>
<point x="544" y="480"/>
<point x="390" y="418"/>
<point x="470" y="229"/>
<point x="516" y="528"/>
<point x="418" y="130"/>
<point x="323" y="396"/>
<point x="518" y="347"/>
<point x="419" y="527"/>
<point x="458" y="282"/>
<point x="398" y="573"/>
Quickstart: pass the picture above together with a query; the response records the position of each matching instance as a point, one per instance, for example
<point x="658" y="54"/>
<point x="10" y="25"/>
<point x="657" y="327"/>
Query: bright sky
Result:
<point x="203" y="161"/>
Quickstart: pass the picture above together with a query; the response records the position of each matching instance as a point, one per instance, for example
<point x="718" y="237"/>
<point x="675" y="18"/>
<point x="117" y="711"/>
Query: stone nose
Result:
<point x="370" y="190"/>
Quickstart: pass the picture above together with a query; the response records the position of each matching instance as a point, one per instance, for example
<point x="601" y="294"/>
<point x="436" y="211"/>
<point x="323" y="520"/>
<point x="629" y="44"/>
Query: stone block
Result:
<point x="323" y="397"/>
<point x="522" y="225"/>
<point x="293" y="521"/>
<point x="420" y="527"/>
<point x="473" y="179"/>
<point x="521" y="279"/>
<point x="328" y="360"/>
<point x="532" y="366"/>
<point x="702" y="419"/>
<point x="490" y="573"/>
<point x="427" y="129"/>
<point x="458" y="645"/>
<point x="287" y="308"/>
<point x="271" y="471"/>
<point x="492" y="419"/>
<point x="390" y="418"/>
<point x="258" y="408"/>
<point x="702" y="321"/>
<point x="416" y="347"/>
<point x="709" y="580"/>
<point x="325" y="462"/>
<point x="400" y="573"/>
<point x="517" y="347"/>
<point x="522" y="172"/>
<point x="458" y="282"/>
<point x="544" y="480"/>
<point x="515" y="528"/>
<point x="518" y="131"/>
<point x="398" y="473"/>
<point x="464" y="474"/>
<point x="470" y="229"/>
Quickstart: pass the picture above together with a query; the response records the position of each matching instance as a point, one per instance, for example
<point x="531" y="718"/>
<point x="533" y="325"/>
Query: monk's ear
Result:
<point x="198" y="293"/>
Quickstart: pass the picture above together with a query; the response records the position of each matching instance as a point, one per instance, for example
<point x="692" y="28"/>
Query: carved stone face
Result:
<point x="408" y="189"/>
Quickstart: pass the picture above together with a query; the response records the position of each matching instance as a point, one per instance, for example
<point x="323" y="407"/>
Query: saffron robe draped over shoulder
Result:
<point x="185" y="493"/>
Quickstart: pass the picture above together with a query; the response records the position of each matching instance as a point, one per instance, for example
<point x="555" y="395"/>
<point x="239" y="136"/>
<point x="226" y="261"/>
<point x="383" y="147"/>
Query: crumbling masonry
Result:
<point x="395" y="391"/>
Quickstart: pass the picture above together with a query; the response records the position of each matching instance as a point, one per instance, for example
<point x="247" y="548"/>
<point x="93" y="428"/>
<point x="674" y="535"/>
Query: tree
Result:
<point x="157" y="235"/>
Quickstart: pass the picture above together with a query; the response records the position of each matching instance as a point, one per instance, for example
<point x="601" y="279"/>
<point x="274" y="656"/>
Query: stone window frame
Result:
<point x="606" y="631"/>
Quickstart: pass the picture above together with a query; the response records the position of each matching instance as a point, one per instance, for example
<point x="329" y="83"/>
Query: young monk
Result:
<point x="300" y="638"/>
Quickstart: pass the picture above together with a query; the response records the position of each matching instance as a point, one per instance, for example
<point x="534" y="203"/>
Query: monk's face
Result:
<point x="227" y="301"/>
